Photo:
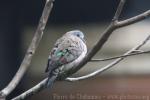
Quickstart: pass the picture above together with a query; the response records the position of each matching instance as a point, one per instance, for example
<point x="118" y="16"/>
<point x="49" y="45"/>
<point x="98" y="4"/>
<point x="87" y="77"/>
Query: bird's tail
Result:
<point x="51" y="80"/>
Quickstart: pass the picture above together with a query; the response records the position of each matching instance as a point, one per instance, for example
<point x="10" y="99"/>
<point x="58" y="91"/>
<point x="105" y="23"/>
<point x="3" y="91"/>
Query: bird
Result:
<point x="67" y="49"/>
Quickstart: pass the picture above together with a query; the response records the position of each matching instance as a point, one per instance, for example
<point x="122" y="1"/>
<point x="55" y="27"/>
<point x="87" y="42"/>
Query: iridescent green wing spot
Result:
<point x="61" y="53"/>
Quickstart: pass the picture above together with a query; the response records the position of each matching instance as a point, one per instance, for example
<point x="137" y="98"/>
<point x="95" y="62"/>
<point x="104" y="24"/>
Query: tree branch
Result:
<point x="32" y="91"/>
<point x="74" y="67"/>
<point x="131" y="54"/>
<point x="69" y="69"/>
<point x="113" y="26"/>
<point x="30" y="52"/>
<point x="105" y="35"/>
<point x="41" y="85"/>
<point x="134" y="19"/>
<point x="99" y="71"/>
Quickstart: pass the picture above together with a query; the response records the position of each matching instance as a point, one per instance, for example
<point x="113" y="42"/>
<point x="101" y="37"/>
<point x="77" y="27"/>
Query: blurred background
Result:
<point x="128" y="80"/>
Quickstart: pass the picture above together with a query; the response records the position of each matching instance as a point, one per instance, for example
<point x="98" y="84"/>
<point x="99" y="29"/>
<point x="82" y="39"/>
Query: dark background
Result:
<point x="17" y="15"/>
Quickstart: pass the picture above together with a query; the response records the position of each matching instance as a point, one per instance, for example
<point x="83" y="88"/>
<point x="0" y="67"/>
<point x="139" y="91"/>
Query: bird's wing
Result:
<point x="47" y="68"/>
<point x="65" y="51"/>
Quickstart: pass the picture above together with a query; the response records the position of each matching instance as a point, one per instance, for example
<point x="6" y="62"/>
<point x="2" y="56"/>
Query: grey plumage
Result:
<point x="66" y="49"/>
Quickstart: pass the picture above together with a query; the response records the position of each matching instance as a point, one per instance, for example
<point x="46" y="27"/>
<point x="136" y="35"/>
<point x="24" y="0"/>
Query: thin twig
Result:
<point x="30" y="52"/>
<point x="134" y="19"/>
<point x="31" y="92"/>
<point x="99" y="71"/>
<point x="118" y="11"/>
<point x="111" y="58"/>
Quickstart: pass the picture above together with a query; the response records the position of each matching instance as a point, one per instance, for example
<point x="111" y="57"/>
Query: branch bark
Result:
<point x="32" y="91"/>
<point x="30" y="52"/>
<point x="119" y="10"/>
<point x="134" y="19"/>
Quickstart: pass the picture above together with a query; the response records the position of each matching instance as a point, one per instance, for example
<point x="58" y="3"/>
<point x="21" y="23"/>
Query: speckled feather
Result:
<point x="66" y="49"/>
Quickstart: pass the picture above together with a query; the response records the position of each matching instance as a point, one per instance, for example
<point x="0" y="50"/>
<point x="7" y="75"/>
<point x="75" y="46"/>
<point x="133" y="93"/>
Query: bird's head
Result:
<point x="77" y="33"/>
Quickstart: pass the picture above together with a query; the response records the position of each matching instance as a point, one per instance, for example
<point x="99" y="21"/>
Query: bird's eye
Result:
<point x="78" y="35"/>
